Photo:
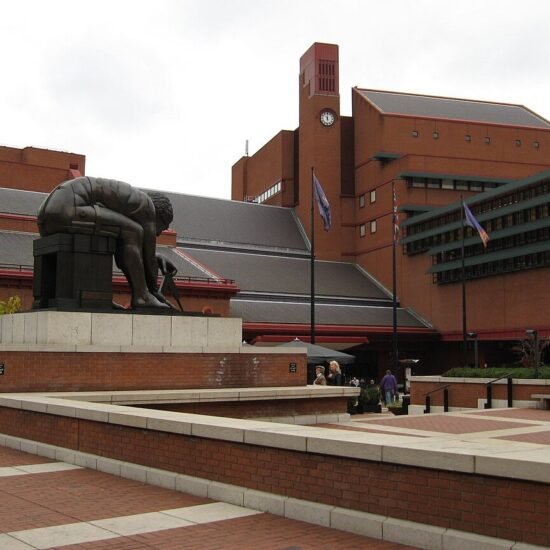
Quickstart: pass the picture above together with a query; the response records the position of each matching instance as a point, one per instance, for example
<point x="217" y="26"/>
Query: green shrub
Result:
<point x="497" y="372"/>
<point x="11" y="305"/>
<point x="370" y="396"/>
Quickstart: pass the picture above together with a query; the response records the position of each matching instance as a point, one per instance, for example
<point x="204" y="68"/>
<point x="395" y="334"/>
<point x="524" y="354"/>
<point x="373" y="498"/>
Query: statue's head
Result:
<point x="163" y="210"/>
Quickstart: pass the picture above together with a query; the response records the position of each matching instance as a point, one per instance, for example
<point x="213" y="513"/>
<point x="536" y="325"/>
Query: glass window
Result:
<point x="362" y="230"/>
<point x="362" y="201"/>
<point x="373" y="196"/>
<point x="447" y="184"/>
<point x="373" y="226"/>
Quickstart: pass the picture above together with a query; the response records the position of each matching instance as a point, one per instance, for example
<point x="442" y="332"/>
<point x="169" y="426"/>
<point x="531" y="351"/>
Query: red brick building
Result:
<point x="433" y="151"/>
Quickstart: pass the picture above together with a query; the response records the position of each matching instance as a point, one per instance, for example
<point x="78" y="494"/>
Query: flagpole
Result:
<point x="312" y="266"/>
<point x="464" y="333"/>
<point x="394" y="281"/>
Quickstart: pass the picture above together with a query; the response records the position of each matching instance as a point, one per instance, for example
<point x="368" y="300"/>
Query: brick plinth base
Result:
<point x="497" y="507"/>
<point x="93" y="371"/>
<point x="259" y="409"/>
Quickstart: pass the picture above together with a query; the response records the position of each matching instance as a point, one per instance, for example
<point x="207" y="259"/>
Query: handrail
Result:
<point x="445" y="398"/>
<point x="509" y="391"/>
<point x="437" y="389"/>
<point x="497" y="379"/>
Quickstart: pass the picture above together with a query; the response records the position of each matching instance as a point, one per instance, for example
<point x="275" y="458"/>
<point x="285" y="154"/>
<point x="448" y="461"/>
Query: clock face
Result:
<point x="327" y="118"/>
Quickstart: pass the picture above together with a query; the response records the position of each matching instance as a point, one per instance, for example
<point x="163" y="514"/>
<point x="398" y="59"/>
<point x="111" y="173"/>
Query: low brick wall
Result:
<point x="259" y="409"/>
<point x="28" y="371"/>
<point x="511" y="509"/>
<point x="466" y="392"/>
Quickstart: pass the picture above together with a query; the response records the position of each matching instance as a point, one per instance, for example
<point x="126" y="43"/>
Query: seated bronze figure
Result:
<point x="110" y="208"/>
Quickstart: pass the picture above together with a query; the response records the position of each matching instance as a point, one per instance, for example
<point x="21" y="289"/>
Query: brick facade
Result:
<point x="93" y="371"/>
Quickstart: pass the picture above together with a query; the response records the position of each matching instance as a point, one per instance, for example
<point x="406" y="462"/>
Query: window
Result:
<point x="373" y="196"/>
<point x="447" y="184"/>
<point x="373" y="226"/>
<point x="362" y="230"/>
<point x="362" y="201"/>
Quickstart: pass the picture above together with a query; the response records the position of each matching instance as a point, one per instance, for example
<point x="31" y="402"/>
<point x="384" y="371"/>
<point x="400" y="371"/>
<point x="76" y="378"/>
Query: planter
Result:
<point x="372" y="408"/>
<point x="397" y="411"/>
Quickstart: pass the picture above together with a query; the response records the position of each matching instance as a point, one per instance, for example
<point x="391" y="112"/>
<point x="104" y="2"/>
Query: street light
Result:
<point x="535" y="336"/>
<point x="473" y="336"/>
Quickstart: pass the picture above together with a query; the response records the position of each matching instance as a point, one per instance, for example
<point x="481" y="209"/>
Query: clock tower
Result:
<point x="320" y="143"/>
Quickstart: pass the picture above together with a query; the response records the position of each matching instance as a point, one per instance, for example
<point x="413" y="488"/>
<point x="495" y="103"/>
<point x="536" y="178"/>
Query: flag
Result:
<point x="322" y="202"/>
<point x="472" y="222"/>
<point x="395" y="218"/>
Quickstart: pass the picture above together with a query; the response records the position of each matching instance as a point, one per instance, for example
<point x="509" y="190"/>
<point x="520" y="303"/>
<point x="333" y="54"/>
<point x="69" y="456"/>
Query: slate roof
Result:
<point x="256" y="311"/>
<point x="16" y="201"/>
<point x="275" y="274"/>
<point x="209" y="220"/>
<point x="16" y="249"/>
<point x="452" y="108"/>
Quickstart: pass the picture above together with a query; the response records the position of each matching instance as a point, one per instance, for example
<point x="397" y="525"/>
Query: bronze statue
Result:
<point x="110" y="208"/>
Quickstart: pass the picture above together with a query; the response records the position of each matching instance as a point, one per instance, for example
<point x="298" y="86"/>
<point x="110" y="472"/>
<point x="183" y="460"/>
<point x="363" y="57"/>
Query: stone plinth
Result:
<point x="125" y="331"/>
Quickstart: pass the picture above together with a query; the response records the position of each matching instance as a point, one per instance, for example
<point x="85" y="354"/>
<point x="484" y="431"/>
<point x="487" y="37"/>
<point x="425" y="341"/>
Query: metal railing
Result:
<point x="509" y="391"/>
<point x="427" y="410"/>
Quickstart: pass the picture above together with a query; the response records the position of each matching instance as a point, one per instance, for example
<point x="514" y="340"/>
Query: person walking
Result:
<point x="388" y="385"/>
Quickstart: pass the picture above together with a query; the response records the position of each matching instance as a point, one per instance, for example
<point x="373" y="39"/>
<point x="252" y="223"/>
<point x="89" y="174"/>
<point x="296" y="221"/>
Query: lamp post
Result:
<point x="473" y="336"/>
<point x="535" y="336"/>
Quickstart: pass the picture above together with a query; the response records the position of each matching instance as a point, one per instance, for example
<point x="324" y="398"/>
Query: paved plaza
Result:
<point x="51" y="504"/>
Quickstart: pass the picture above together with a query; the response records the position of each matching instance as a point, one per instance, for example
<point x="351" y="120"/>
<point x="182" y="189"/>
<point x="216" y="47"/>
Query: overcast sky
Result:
<point x="163" y="94"/>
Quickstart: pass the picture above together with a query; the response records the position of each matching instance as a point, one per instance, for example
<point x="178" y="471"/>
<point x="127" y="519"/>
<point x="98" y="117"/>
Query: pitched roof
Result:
<point x="257" y="311"/>
<point x="204" y="220"/>
<point x="276" y="274"/>
<point x="453" y="108"/>
<point x="17" y="201"/>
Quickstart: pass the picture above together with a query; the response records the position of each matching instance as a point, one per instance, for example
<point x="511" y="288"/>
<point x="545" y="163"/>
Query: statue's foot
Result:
<point x="148" y="301"/>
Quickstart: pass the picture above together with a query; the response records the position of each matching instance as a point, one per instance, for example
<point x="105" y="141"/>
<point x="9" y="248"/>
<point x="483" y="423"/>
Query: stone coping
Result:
<point x="207" y="395"/>
<point x="74" y="348"/>
<point x="456" y="380"/>
<point x="459" y="453"/>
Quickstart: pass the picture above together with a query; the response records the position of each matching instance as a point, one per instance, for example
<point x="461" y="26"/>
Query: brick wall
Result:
<point x="462" y="394"/>
<point x="56" y="371"/>
<point x="510" y="509"/>
<point x="258" y="409"/>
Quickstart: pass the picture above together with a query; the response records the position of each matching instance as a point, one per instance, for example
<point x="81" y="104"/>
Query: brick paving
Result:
<point x="60" y="498"/>
<point x="265" y="532"/>
<point x="520" y="414"/>
<point x="363" y="429"/>
<point x="542" y="438"/>
<point x="447" y="424"/>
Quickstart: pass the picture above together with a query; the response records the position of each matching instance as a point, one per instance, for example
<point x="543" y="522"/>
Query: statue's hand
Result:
<point x="166" y="266"/>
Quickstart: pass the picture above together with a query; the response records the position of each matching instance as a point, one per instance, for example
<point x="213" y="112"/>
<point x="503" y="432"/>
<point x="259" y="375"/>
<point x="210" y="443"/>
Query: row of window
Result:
<point x="519" y="263"/>
<point x="268" y="193"/>
<point x="501" y="222"/>
<point x="450" y="184"/>
<point x="468" y="139"/>
<point x="501" y="201"/>
<point x="513" y="241"/>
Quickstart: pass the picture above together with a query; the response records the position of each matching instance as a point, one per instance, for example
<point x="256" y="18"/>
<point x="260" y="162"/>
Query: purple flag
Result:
<point x="472" y="222"/>
<point x="322" y="202"/>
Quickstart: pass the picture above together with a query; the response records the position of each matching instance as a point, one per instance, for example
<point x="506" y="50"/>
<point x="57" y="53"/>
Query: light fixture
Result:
<point x="467" y="138"/>
<point x="487" y="139"/>
<point x="536" y="144"/>
<point x="415" y="133"/>
<point x="518" y="142"/>
<point x="435" y="135"/>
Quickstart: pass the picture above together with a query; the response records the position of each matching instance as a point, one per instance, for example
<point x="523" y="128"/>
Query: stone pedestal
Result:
<point x="73" y="272"/>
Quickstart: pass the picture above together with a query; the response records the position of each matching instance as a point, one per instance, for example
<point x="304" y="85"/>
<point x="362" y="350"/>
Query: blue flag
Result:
<point x="472" y="222"/>
<point x="322" y="202"/>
